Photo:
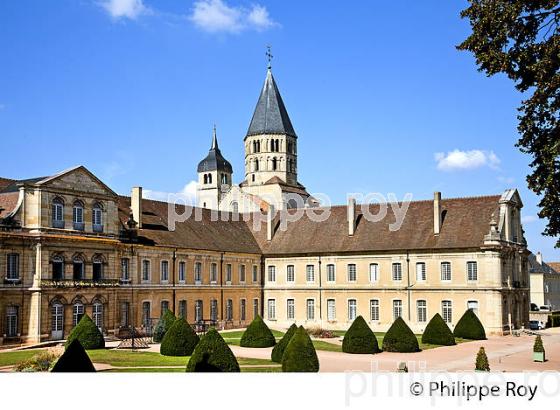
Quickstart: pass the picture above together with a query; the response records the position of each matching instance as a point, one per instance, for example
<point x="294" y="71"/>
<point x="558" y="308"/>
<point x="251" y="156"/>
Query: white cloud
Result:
<point x="217" y="16"/>
<point x="527" y="219"/>
<point x="187" y="194"/>
<point x="465" y="160"/>
<point x="130" y="9"/>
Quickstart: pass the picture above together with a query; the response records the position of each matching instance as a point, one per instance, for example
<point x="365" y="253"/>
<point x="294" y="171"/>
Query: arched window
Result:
<point x="78" y="268"/>
<point x="77" y="313"/>
<point x="258" y="146"/>
<point x="256" y="164"/>
<point x="58" y="213"/>
<point x="274" y="164"/>
<point x="58" y="268"/>
<point x="209" y="178"/>
<point x="97" y="217"/>
<point x="57" y="317"/>
<point x="146" y="314"/>
<point x="205" y="179"/>
<point x="97" y="268"/>
<point x="235" y="207"/>
<point x="98" y="315"/>
<point x="78" y="215"/>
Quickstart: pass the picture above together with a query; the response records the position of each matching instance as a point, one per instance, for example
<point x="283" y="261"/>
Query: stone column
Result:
<point x="34" y="327"/>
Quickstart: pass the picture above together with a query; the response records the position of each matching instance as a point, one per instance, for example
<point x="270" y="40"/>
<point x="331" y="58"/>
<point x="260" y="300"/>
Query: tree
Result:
<point x="399" y="338"/>
<point x="481" y="363"/>
<point x="74" y="360"/>
<point x="521" y="39"/>
<point x="359" y="338"/>
<point x="279" y="349"/>
<point x="300" y="355"/>
<point x="257" y="335"/>
<point x="163" y="325"/>
<point x="438" y="333"/>
<point x="212" y="354"/>
<point x="87" y="333"/>
<point x="470" y="327"/>
<point x="179" y="340"/>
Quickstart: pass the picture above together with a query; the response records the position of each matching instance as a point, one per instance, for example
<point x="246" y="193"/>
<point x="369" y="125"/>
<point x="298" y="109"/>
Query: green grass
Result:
<point x="326" y="346"/>
<point x="128" y="358"/>
<point x="13" y="358"/>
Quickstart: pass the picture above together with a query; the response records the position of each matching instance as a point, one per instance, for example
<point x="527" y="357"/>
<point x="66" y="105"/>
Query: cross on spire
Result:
<point x="269" y="56"/>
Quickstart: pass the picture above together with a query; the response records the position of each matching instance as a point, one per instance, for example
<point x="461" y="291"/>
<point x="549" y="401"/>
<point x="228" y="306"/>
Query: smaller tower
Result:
<point x="214" y="177"/>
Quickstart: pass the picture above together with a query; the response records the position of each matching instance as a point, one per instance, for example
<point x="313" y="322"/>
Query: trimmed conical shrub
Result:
<point x="212" y="354"/>
<point x="74" y="360"/>
<point x="257" y="335"/>
<point x="163" y="325"/>
<point x="470" y="327"/>
<point x="179" y="340"/>
<point x="279" y="349"/>
<point x="399" y="338"/>
<point x="481" y="363"/>
<point x="359" y="338"/>
<point x="438" y="333"/>
<point x="87" y="334"/>
<point x="300" y="355"/>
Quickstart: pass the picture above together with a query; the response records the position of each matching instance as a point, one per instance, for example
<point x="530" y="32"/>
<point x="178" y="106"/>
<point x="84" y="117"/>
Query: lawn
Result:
<point x="13" y="358"/>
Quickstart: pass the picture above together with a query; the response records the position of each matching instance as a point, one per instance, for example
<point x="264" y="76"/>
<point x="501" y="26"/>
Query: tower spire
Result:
<point x="214" y="139"/>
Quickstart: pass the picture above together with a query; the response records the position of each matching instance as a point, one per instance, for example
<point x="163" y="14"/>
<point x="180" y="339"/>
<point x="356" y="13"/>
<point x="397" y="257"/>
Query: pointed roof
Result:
<point x="215" y="161"/>
<point x="270" y="116"/>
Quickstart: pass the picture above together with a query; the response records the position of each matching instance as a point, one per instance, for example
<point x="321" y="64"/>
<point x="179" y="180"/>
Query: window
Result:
<point x="397" y="309"/>
<point x="57" y="324"/>
<point x="374" y="310"/>
<point x="473" y="305"/>
<point x="447" y="311"/>
<point x="228" y="273"/>
<point x="213" y="273"/>
<point x="255" y="308"/>
<point x="290" y="309"/>
<point x="373" y="272"/>
<point x="77" y="313"/>
<point x="98" y="315"/>
<point x="255" y="273"/>
<point x="351" y="272"/>
<point x="146" y="314"/>
<point x="310" y="309"/>
<point x="472" y="271"/>
<point x="12" y="266"/>
<point x="421" y="311"/>
<point x="78" y="269"/>
<point x="272" y="273"/>
<point x="164" y="271"/>
<point x="229" y="310"/>
<point x="125" y="269"/>
<point x="183" y="309"/>
<point x="164" y="307"/>
<point x="310" y="273"/>
<point x="242" y="274"/>
<point x="421" y="272"/>
<point x="97" y="269"/>
<point x="352" y="310"/>
<point x="11" y="321"/>
<point x="97" y="218"/>
<point x="290" y="274"/>
<point x="331" y="273"/>
<point x="271" y="309"/>
<point x="125" y="309"/>
<point x="214" y="310"/>
<point x="198" y="273"/>
<point x="331" y="310"/>
<point x="145" y="271"/>
<point x="397" y="272"/>
<point x="78" y="216"/>
<point x="58" y="268"/>
<point x="58" y="213"/>
<point x="182" y="272"/>
<point x="446" y="271"/>
<point x="243" y="310"/>
<point x="198" y="311"/>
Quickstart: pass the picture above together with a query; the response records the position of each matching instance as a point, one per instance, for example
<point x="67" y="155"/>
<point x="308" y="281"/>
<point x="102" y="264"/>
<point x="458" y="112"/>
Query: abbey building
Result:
<point x="70" y="246"/>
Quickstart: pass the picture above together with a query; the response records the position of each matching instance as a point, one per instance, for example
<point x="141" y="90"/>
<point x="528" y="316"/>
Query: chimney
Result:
<point x="539" y="258"/>
<point x="437" y="213"/>
<point x="269" y="219"/>
<point x="351" y="216"/>
<point x="136" y="205"/>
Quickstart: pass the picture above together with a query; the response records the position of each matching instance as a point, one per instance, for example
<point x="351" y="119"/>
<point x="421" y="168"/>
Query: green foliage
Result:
<point x="520" y="38"/>
<point x="179" y="340"/>
<point x="470" y="327"/>
<point x="163" y="325"/>
<point x="553" y="321"/>
<point x="300" y="355"/>
<point x="212" y="354"/>
<point x="87" y="334"/>
<point x="438" y="333"/>
<point x="538" y="347"/>
<point x="257" y="335"/>
<point x="399" y="338"/>
<point x="41" y="362"/>
<point x="74" y="360"/>
<point x="482" y="364"/>
<point x="279" y="349"/>
<point x="360" y="339"/>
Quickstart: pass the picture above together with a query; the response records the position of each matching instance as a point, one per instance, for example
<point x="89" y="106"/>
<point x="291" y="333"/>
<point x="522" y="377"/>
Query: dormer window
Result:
<point x="78" y="216"/>
<point x="58" y="213"/>
<point x="97" y="217"/>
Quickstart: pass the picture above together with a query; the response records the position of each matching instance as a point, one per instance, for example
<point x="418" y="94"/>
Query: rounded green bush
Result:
<point x="300" y="355"/>
<point x="359" y="339"/>
<point x="179" y="340"/>
<point x="399" y="338"/>
<point x="279" y="349"/>
<point x="469" y="327"/>
<point x="74" y="360"/>
<point x="438" y="333"/>
<point x="87" y="334"/>
<point x="163" y="325"/>
<point x="212" y="354"/>
<point x="257" y="335"/>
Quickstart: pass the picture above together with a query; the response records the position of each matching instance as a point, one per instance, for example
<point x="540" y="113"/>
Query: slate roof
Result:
<point x="215" y="161"/>
<point x="536" y="267"/>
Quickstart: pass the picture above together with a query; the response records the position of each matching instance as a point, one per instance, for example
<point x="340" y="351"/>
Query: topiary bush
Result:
<point x="212" y="354"/>
<point x="481" y="363"/>
<point x="399" y="338"/>
<point x="538" y="347"/>
<point x="359" y="339"/>
<point x="257" y="335"/>
<point x="87" y="334"/>
<point x="163" y="325"/>
<point x="300" y="355"/>
<point x="179" y="340"/>
<point x="470" y="327"/>
<point x="438" y="333"/>
<point x="279" y="349"/>
<point x="74" y="360"/>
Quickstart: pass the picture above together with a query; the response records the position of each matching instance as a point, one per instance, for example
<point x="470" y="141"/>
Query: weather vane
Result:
<point x="269" y="55"/>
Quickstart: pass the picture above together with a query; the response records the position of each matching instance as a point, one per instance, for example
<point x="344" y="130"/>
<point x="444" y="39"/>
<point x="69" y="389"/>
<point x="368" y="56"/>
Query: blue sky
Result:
<point x="377" y="92"/>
